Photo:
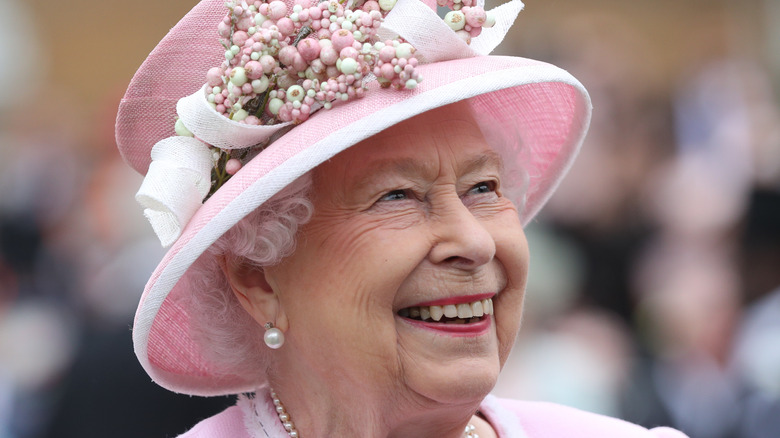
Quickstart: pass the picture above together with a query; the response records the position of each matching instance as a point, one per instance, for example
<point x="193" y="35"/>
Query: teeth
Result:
<point x="464" y="312"/>
<point x="436" y="313"/>
<point x="476" y="309"/>
<point x="450" y="311"/>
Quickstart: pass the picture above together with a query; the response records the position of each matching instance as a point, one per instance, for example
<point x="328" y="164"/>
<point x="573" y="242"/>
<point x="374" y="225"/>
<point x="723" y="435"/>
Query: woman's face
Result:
<point x="409" y="218"/>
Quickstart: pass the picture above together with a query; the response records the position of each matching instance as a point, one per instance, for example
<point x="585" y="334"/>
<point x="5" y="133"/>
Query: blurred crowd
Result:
<point x="654" y="292"/>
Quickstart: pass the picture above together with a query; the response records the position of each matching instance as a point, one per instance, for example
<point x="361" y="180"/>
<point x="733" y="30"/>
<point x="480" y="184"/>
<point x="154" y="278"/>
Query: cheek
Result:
<point x="512" y="252"/>
<point x="511" y="246"/>
<point x="356" y="266"/>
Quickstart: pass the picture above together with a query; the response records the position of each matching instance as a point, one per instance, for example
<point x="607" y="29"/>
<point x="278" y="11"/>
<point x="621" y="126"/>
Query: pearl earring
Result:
<point x="273" y="337"/>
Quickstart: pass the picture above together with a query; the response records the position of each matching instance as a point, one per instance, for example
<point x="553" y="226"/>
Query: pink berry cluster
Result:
<point x="466" y="18"/>
<point x="282" y="65"/>
<point x="455" y="5"/>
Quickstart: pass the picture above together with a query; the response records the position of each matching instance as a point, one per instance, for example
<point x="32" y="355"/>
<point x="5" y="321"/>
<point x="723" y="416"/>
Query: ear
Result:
<point x="252" y="289"/>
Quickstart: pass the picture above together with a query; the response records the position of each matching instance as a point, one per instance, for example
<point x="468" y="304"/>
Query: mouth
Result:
<point x="462" y="313"/>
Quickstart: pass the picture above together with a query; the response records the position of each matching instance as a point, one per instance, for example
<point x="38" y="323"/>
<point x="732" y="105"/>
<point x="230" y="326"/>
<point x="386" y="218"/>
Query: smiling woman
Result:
<point x="346" y="216"/>
<point x="442" y="243"/>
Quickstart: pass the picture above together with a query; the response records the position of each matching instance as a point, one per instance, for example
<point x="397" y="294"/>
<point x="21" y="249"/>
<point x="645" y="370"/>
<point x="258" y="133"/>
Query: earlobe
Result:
<point x="252" y="289"/>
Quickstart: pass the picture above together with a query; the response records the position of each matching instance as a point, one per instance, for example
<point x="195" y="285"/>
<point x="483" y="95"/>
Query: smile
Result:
<point x="463" y="313"/>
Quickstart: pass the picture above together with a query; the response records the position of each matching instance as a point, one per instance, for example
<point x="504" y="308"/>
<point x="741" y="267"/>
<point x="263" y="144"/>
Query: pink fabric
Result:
<point x="227" y="424"/>
<point x="510" y="419"/>
<point x="549" y="420"/>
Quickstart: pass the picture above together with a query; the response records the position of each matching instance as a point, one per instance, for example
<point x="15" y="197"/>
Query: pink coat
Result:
<point x="511" y="419"/>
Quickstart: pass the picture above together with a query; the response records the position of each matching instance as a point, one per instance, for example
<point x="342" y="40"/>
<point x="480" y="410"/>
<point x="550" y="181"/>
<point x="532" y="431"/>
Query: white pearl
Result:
<point x="273" y="106"/>
<point x="404" y="50"/>
<point x="386" y="5"/>
<point x="274" y="338"/>
<point x="238" y="76"/>
<point x="182" y="130"/>
<point x="348" y="66"/>
<point x="490" y="19"/>
<point x="260" y="85"/>
<point x="456" y="20"/>
<point x="239" y="115"/>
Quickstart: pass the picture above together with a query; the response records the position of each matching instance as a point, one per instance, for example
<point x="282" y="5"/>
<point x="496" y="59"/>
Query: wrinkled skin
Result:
<point x="413" y="214"/>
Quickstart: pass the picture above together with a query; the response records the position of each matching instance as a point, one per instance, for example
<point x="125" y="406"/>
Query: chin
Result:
<point x="459" y="382"/>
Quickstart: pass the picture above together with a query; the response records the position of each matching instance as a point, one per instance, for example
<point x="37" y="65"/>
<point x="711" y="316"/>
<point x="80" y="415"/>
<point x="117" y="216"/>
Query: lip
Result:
<point x="473" y="329"/>
<point x="455" y="300"/>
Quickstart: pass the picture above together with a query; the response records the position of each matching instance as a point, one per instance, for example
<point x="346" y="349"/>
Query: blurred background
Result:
<point x="654" y="292"/>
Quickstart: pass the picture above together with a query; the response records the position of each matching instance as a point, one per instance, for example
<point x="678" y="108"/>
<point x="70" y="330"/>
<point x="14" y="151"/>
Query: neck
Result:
<point x="322" y="410"/>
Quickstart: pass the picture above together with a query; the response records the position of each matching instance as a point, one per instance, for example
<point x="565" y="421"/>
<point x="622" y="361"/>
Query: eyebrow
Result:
<point x="488" y="159"/>
<point x="412" y="167"/>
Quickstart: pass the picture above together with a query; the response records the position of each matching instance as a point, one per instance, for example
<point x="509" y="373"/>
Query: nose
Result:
<point x="461" y="239"/>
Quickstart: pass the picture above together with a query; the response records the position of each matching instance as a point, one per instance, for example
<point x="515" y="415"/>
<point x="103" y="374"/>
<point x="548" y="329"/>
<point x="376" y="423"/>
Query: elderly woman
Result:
<point x="345" y="200"/>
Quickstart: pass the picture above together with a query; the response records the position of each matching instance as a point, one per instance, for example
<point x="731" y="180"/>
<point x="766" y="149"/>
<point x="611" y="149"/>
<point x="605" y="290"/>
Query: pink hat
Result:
<point x="535" y="114"/>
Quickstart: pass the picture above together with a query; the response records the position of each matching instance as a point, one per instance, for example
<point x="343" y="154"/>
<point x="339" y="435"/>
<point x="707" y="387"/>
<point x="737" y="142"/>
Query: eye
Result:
<point x="395" y="195"/>
<point x="483" y="187"/>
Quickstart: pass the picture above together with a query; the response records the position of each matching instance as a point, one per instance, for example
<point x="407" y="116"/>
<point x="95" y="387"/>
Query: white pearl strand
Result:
<point x="289" y="426"/>
<point x="284" y="417"/>
<point x="470" y="432"/>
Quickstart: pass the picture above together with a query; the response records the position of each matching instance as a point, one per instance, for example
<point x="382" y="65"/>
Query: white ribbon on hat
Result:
<point x="434" y="41"/>
<point x="215" y="129"/>
<point x="179" y="176"/>
<point x="178" y="179"/>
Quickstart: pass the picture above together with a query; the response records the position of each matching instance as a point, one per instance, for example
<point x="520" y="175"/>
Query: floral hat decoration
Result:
<point x="242" y="97"/>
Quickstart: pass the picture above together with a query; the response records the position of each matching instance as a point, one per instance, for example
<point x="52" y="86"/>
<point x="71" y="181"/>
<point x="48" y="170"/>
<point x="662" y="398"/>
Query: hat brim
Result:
<point x="535" y="114"/>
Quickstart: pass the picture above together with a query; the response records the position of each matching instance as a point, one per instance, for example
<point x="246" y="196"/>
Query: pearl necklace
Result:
<point x="284" y="417"/>
<point x="289" y="426"/>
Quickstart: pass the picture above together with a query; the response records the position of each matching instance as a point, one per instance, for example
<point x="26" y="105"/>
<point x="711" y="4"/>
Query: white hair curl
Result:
<point x="262" y="238"/>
